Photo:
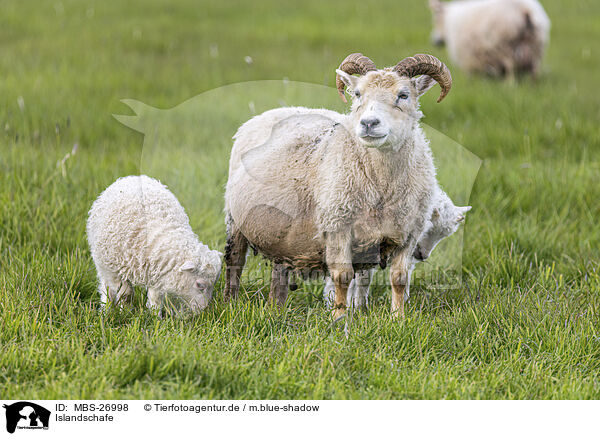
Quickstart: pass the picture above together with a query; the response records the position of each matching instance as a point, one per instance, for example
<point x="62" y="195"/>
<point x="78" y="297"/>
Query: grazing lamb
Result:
<point x="139" y="234"/>
<point x="445" y="220"/>
<point x="496" y="37"/>
<point x="314" y="189"/>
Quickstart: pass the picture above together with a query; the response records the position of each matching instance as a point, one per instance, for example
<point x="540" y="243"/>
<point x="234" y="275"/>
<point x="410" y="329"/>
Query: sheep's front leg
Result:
<point x="338" y="256"/>
<point x="400" y="269"/>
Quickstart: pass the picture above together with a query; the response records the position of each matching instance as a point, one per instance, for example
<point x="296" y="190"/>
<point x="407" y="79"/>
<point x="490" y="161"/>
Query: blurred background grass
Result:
<point x="524" y="324"/>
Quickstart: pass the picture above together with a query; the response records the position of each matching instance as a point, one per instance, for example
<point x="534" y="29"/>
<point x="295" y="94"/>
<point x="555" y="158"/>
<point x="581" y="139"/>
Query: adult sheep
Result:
<point x="495" y="37"/>
<point x="315" y="189"/>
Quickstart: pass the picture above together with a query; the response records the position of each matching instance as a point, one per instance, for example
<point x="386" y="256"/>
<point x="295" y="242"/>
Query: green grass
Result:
<point x="525" y="323"/>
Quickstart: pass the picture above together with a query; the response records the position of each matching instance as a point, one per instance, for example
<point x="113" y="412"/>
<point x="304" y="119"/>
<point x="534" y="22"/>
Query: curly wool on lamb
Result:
<point x="139" y="234"/>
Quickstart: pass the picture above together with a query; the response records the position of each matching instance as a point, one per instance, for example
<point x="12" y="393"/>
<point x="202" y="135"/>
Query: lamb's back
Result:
<point x="128" y="217"/>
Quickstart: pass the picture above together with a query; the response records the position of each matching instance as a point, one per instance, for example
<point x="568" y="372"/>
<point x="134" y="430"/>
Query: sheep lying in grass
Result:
<point x="496" y="37"/>
<point x="445" y="220"/>
<point x="314" y="189"/>
<point x="139" y="234"/>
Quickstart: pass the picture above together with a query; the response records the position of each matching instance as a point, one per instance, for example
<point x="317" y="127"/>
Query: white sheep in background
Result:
<point x="445" y="220"/>
<point x="139" y="234"/>
<point x="314" y="189"/>
<point x="496" y="37"/>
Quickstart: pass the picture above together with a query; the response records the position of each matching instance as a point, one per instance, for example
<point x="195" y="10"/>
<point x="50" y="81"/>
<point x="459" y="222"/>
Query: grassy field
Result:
<point x="524" y="325"/>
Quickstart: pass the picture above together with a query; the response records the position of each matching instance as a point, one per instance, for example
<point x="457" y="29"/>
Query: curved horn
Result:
<point x="355" y="63"/>
<point x="426" y="64"/>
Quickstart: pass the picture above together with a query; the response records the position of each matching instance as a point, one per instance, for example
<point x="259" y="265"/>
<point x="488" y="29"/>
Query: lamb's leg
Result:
<point x="279" y="284"/>
<point x="103" y="284"/>
<point x="359" y="288"/>
<point x="338" y="255"/>
<point x="125" y="294"/>
<point x="103" y="291"/>
<point x="113" y="289"/>
<point x="155" y="300"/>
<point x="329" y="292"/>
<point x="400" y="269"/>
<point x="235" y="258"/>
<point x="411" y="268"/>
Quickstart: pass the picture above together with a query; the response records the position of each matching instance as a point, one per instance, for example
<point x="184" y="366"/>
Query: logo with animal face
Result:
<point x="26" y="415"/>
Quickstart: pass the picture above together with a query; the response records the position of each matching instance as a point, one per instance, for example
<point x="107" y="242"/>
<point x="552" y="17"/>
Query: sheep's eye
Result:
<point x="357" y="94"/>
<point x="402" y="96"/>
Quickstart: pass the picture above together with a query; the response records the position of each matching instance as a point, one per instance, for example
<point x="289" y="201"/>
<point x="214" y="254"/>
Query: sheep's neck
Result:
<point x="385" y="167"/>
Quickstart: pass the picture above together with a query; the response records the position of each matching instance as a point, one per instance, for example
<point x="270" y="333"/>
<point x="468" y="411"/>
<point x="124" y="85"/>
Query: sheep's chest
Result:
<point x="375" y="225"/>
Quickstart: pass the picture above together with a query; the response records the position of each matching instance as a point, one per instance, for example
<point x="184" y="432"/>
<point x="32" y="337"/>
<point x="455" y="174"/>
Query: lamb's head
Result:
<point x="385" y="103"/>
<point x="438" y="34"/>
<point x="445" y="220"/>
<point x="198" y="276"/>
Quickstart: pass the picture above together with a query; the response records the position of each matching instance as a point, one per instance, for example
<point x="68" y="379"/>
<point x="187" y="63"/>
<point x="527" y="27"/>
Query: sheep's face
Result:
<point x="438" y="20"/>
<point x="445" y="220"/>
<point x="385" y="106"/>
<point x="199" y="277"/>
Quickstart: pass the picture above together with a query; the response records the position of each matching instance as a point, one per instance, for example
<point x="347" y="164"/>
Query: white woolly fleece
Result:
<point x="139" y="234"/>
<point x="485" y="35"/>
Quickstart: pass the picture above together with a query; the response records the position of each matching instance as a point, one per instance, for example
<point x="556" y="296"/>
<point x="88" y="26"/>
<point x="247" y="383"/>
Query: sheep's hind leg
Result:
<point x="279" y="284"/>
<point x="235" y="259"/>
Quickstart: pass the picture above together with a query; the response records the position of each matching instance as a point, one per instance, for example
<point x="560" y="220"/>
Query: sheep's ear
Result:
<point x="435" y="5"/>
<point x="423" y="84"/>
<point x="435" y="214"/>
<point x="349" y="81"/>
<point x="188" y="266"/>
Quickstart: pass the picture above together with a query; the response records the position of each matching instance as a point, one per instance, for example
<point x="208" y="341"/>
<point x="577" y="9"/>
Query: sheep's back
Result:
<point x="480" y="34"/>
<point x="273" y="177"/>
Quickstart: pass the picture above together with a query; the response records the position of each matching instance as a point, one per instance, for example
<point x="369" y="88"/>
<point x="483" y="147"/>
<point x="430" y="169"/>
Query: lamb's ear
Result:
<point x="423" y="84"/>
<point x="349" y="81"/>
<point x="188" y="266"/>
<point x="462" y="211"/>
